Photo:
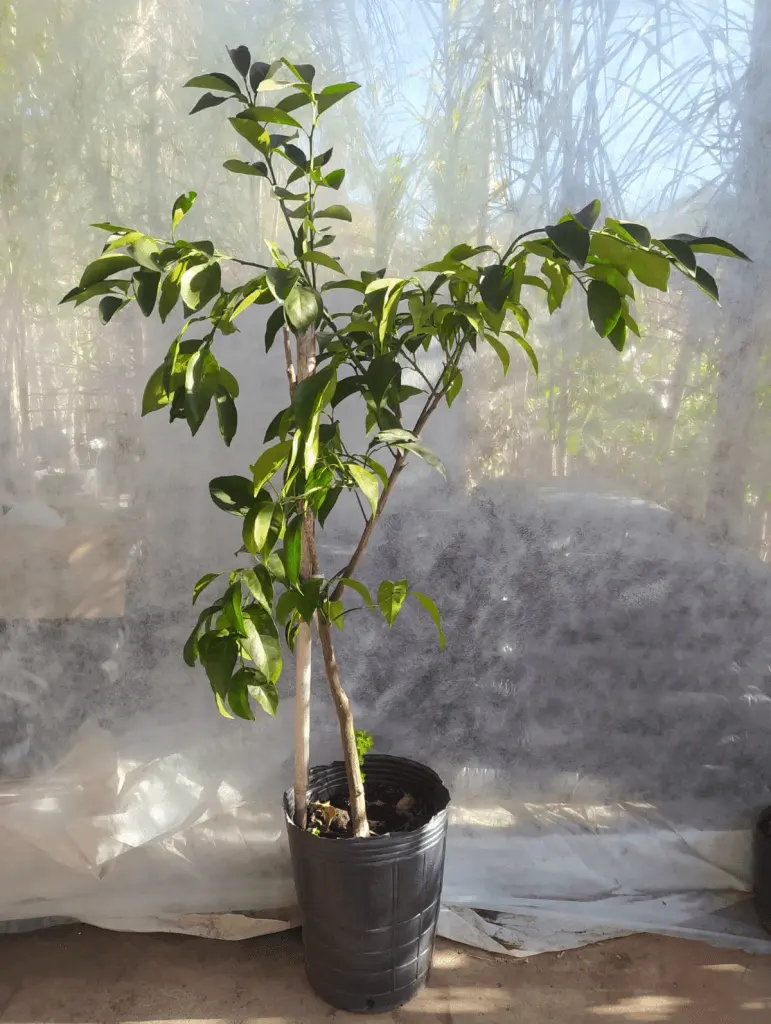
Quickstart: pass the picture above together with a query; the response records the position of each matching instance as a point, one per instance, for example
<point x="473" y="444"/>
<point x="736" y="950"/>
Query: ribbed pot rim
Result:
<point x="387" y="768"/>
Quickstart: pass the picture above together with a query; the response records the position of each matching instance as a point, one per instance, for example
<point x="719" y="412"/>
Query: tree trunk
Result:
<point x="347" y="734"/>
<point x="306" y="364"/>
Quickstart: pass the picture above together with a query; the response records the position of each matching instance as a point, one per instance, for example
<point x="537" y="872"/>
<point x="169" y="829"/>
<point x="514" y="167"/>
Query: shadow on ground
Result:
<point x="78" y="975"/>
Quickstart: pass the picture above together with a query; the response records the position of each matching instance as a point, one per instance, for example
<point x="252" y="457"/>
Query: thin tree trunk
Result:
<point x="306" y="364"/>
<point x="347" y="734"/>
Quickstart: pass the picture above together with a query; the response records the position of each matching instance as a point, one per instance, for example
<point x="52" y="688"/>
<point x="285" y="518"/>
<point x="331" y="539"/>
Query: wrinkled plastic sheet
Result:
<point x="121" y="844"/>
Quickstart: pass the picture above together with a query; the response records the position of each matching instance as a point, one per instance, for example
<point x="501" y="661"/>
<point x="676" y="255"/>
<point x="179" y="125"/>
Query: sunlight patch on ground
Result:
<point x="648" y="1009"/>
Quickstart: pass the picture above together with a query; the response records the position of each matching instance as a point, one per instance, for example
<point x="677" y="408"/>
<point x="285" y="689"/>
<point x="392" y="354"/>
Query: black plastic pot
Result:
<point x="370" y="906"/>
<point x="761" y="857"/>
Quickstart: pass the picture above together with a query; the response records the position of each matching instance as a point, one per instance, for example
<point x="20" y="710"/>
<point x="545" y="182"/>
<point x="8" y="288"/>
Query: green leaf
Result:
<point x="390" y="598"/>
<point x="454" y="387"/>
<point x="328" y="504"/>
<point x="572" y="239"/>
<point x="334" y="179"/>
<point x="681" y="251"/>
<point x="124" y="240"/>
<point x="617" y="336"/>
<point x="322" y="260"/>
<point x="294" y="101"/>
<point x="104" y="267"/>
<point x="310" y="397"/>
<point x="500" y="350"/>
<point x="262" y="643"/>
<point x="170" y="290"/>
<point x="214" y="80"/>
<point x="495" y="284"/>
<point x="241" y="59"/>
<point x="281" y="281"/>
<point x="270" y="462"/>
<point x="263" y="691"/>
<point x="383" y="374"/>
<point x="302" y="307"/>
<point x="649" y="267"/>
<point x="238" y="695"/>
<point x="464" y="251"/>
<point x="201" y="380"/>
<point x="227" y="417"/>
<point x="360" y="589"/>
<point x="155" y="395"/>
<point x="203" y="583"/>
<point x="257" y="74"/>
<point x="333" y="94"/>
<point x="109" y="306"/>
<point x="304" y="72"/>
<point x="588" y="216"/>
<point x="364" y="743"/>
<point x="199" y="285"/>
<point x="637" y="234"/>
<point x="228" y="382"/>
<point x="275" y="322"/>
<point x="253" y="132"/>
<point x="395" y="438"/>
<point x="293" y="548"/>
<point x="367" y="483"/>
<point x="707" y="283"/>
<point x="527" y="348"/>
<point x="80" y="295"/>
<point x="280" y="425"/>
<point x="296" y="155"/>
<point x="612" y="276"/>
<point x="146" y="289"/>
<point x="208" y="100"/>
<point x="182" y="205"/>
<point x="334" y="212"/>
<point x="145" y="251"/>
<point x="272" y="115"/>
<point x="257" y="526"/>
<point x="285" y="605"/>
<point x="259" y="169"/>
<point x="190" y="649"/>
<point x="559" y="281"/>
<point x="710" y="244"/>
<point x="231" y="494"/>
<point x="604" y="304"/>
<point x="433" y="611"/>
<point x="260" y="585"/>
<point x="218" y="656"/>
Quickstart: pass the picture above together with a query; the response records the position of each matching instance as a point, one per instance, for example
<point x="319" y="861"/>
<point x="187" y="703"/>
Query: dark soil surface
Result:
<point x="388" y="810"/>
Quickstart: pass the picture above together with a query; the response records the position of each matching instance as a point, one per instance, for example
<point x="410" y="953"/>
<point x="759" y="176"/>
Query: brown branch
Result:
<point x="347" y="733"/>
<point x="398" y="466"/>
<point x="291" y="373"/>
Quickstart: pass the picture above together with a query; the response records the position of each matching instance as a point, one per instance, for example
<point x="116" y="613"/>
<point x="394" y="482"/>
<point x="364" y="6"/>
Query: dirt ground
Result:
<point x="77" y="974"/>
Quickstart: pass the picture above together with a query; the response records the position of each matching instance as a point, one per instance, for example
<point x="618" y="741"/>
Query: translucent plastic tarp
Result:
<point x="602" y="710"/>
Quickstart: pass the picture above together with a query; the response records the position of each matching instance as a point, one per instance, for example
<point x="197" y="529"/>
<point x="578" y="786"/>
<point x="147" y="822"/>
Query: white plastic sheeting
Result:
<point x="603" y="708"/>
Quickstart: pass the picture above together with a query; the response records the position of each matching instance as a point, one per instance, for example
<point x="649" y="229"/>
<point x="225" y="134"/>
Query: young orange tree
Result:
<point x="472" y="296"/>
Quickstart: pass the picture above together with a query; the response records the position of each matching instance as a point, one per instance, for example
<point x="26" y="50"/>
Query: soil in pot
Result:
<point x="389" y="809"/>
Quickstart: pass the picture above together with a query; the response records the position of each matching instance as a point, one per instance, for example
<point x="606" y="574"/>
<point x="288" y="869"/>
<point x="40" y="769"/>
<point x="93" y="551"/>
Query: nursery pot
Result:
<point x="761" y="855"/>
<point x="370" y="907"/>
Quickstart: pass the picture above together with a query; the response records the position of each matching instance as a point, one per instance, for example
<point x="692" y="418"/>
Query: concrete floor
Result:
<point x="77" y="974"/>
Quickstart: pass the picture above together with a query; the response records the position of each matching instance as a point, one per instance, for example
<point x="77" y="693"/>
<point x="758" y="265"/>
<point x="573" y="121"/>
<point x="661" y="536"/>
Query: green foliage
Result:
<point x="365" y="741"/>
<point x="471" y="293"/>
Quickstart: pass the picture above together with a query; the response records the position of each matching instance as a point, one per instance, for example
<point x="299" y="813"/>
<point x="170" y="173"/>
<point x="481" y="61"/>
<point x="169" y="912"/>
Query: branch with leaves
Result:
<point x="472" y="296"/>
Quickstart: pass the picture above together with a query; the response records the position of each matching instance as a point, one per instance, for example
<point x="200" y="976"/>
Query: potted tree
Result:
<point x="368" y="862"/>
